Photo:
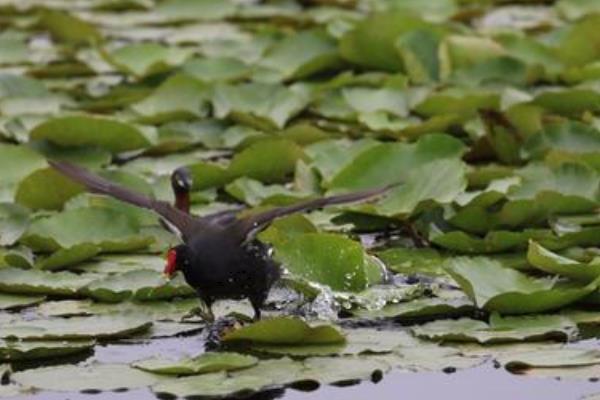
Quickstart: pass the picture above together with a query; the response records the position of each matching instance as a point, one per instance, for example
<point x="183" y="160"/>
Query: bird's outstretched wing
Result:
<point x="246" y="228"/>
<point x="183" y="222"/>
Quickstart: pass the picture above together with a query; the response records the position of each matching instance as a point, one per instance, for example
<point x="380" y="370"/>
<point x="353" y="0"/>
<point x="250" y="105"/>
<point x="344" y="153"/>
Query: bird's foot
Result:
<point x="219" y="328"/>
<point x="205" y="314"/>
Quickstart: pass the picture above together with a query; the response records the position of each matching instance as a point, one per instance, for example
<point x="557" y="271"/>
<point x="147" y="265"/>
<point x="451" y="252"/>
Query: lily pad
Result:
<point x="112" y="231"/>
<point x="77" y="328"/>
<point x="202" y="364"/>
<point x="17" y="350"/>
<point x="499" y="330"/>
<point x="77" y="131"/>
<point x="11" y="301"/>
<point x="326" y="258"/>
<point x="73" y="378"/>
<point x="285" y="330"/>
<point x="496" y="288"/>
<point x="557" y="358"/>
<point x="179" y="97"/>
<point x="14" y="221"/>
<point x="553" y="263"/>
<point x="263" y="105"/>
<point x="35" y="282"/>
<point x="140" y="285"/>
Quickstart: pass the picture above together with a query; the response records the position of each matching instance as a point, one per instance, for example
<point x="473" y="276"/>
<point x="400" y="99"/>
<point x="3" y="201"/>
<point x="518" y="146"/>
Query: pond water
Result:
<point x="485" y="381"/>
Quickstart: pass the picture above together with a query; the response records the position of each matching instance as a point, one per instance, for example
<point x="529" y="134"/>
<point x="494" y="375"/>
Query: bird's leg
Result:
<point x="257" y="303"/>
<point x="203" y="311"/>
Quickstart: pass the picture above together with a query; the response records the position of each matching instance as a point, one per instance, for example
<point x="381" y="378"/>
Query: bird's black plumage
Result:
<point x="220" y="256"/>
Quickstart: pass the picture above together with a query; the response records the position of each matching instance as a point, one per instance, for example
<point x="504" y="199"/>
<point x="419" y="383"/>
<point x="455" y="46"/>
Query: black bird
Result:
<point x="220" y="256"/>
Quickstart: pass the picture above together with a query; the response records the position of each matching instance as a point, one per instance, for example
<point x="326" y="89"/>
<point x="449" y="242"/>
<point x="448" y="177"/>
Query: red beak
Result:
<point x="171" y="266"/>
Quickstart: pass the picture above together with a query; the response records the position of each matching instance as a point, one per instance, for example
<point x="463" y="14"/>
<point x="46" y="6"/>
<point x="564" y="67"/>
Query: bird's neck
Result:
<point x="182" y="201"/>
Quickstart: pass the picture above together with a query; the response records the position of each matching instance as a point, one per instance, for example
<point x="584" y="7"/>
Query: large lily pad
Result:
<point x="499" y="330"/>
<point x="77" y="131"/>
<point x="202" y="364"/>
<point x="138" y="285"/>
<point x="325" y="258"/>
<point x="13" y="301"/>
<point x="77" y="328"/>
<point x="17" y="350"/>
<point x="112" y="231"/>
<point x="263" y="105"/>
<point x="14" y="220"/>
<point x="35" y="282"/>
<point x="285" y="330"/>
<point x="496" y="288"/>
<point x="71" y="378"/>
<point x="553" y="263"/>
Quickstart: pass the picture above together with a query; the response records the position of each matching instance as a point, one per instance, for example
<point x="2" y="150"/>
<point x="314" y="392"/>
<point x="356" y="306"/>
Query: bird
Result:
<point x="219" y="254"/>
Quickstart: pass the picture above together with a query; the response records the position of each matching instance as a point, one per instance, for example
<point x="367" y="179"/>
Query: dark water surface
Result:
<point x="483" y="382"/>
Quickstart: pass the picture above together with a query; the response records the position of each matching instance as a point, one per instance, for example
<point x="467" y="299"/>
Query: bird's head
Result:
<point x="181" y="183"/>
<point x="178" y="259"/>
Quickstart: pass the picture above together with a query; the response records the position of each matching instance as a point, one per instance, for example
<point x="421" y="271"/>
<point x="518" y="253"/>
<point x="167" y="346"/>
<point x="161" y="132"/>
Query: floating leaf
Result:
<point x="202" y="364"/>
<point x="141" y="285"/>
<point x="285" y="330"/>
<point x="17" y="350"/>
<point x="77" y="328"/>
<point x="46" y="189"/>
<point x="563" y="357"/>
<point x="77" y="131"/>
<point x="553" y="263"/>
<point x="14" y="221"/>
<point x="372" y="42"/>
<point x="95" y="377"/>
<point x="264" y="105"/>
<point x="179" y="97"/>
<point x="34" y="282"/>
<point x="11" y="301"/>
<point x="326" y="258"/>
<point x="144" y="59"/>
<point x="496" y="288"/>
<point x="112" y="231"/>
<point x="499" y="330"/>
<point x="302" y="54"/>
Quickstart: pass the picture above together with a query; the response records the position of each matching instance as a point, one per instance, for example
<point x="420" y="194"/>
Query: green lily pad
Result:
<point x="83" y="130"/>
<point x="499" y="330"/>
<point x="35" y="282"/>
<point x="112" y="231"/>
<point x="553" y="263"/>
<point x="269" y="161"/>
<point x="16" y="163"/>
<point x="302" y="54"/>
<point x="202" y="364"/>
<point x="285" y="330"/>
<point x="326" y="258"/>
<point x="372" y="42"/>
<point x="556" y="358"/>
<point x="358" y="341"/>
<point x="14" y="221"/>
<point x="271" y="373"/>
<point x="179" y="97"/>
<point x="94" y="377"/>
<point x="263" y="105"/>
<point x="186" y="10"/>
<point x="12" y="301"/>
<point x="77" y="328"/>
<point x="46" y="189"/>
<point x="140" y="285"/>
<point x="143" y="59"/>
<point x="496" y="288"/>
<point x="448" y="305"/>
<point x="17" y="350"/>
